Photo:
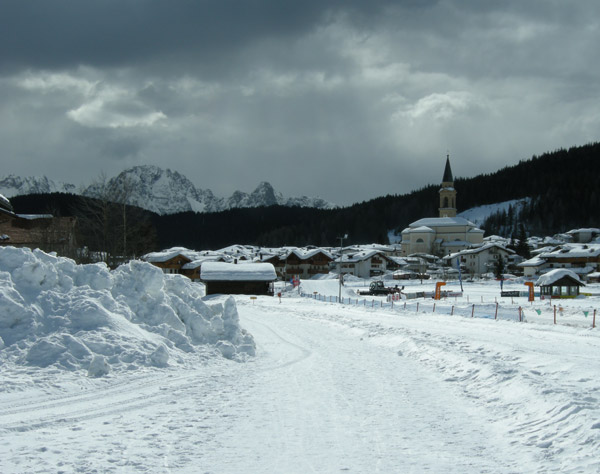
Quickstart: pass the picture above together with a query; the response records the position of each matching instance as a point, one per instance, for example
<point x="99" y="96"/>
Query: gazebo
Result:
<point x="559" y="283"/>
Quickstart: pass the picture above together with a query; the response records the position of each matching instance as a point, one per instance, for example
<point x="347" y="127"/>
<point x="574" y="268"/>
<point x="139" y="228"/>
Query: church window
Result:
<point x="420" y="241"/>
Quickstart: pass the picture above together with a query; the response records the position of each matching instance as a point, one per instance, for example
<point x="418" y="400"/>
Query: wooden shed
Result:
<point x="238" y="279"/>
<point x="559" y="283"/>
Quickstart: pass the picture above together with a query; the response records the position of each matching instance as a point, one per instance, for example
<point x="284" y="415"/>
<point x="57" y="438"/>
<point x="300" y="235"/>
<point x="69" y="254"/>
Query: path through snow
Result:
<point x="331" y="389"/>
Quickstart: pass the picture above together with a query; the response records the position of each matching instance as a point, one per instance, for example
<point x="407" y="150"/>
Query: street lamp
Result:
<point x="341" y="243"/>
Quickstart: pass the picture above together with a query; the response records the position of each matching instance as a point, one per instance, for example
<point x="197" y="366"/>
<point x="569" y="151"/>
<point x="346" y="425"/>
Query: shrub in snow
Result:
<point x="54" y="312"/>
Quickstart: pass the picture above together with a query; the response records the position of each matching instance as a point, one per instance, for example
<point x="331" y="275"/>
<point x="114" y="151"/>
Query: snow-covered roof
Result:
<point x="442" y="222"/>
<point x="457" y="243"/>
<point x="573" y="251"/>
<point x="361" y="256"/>
<point x="482" y="248"/>
<point x="553" y="276"/>
<point x="532" y="262"/>
<point x="590" y="230"/>
<point x="4" y="202"/>
<point x="221" y="271"/>
<point x="166" y="255"/>
<point x="421" y="229"/>
<point x="32" y="217"/>
<point x="304" y="254"/>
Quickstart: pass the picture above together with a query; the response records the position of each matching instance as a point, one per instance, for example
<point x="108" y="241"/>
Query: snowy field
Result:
<point x="132" y="371"/>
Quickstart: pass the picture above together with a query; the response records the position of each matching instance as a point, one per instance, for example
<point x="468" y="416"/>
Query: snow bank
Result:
<point x="54" y="312"/>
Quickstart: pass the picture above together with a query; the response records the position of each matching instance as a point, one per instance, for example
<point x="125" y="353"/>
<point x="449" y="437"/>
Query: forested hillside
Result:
<point x="562" y="186"/>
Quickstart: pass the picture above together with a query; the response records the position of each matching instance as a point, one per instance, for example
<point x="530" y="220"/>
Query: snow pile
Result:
<point x="54" y="312"/>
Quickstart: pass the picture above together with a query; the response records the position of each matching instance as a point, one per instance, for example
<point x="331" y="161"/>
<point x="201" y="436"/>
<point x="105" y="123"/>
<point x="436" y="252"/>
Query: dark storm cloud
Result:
<point x="346" y="99"/>
<point x="113" y="33"/>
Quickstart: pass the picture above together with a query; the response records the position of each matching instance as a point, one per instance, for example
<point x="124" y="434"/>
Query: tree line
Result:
<point x="561" y="186"/>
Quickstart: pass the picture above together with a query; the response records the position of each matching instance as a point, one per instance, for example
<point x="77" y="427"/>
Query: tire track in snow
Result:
<point x="97" y="403"/>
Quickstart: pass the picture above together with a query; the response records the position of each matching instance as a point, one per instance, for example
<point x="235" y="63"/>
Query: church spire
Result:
<point x="448" y="172"/>
<point x="447" y="192"/>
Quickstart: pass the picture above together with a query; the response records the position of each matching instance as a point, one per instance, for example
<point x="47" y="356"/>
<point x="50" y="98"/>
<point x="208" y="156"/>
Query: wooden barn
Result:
<point x="43" y="231"/>
<point x="238" y="279"/>
<point x="559" y="283"/>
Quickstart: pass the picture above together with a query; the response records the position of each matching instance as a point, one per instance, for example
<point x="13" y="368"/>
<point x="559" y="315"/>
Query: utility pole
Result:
<point x="340" y="269"/>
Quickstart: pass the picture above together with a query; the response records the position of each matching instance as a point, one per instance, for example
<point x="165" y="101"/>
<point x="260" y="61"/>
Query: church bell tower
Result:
<point x="447" y="193"/>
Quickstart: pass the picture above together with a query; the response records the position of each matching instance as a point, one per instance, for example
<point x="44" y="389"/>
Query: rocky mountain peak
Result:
<point x="162" y="191"/>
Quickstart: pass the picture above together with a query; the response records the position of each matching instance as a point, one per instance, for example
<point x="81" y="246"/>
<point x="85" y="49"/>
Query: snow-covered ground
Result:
<point x="331" y="387"/>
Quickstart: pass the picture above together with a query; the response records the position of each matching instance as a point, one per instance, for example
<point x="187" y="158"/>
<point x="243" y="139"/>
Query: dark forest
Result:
<point x="562" y="186"/>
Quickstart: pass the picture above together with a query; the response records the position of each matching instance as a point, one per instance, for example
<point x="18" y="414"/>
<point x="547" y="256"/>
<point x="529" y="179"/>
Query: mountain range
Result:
<point x="161" y="191"/>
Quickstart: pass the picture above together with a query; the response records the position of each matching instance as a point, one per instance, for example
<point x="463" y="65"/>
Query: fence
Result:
<point x="546" y="314"/>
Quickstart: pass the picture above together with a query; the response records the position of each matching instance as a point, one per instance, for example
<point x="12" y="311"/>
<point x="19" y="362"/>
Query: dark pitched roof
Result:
<point x="447" y="172"/>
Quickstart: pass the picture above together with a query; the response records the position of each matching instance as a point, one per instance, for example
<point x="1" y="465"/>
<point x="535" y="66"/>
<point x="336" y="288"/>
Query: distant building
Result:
<point x="182" y="261"/>
<point x="364" y="264"/>
<point x="445" y="234"/>
<point x="43" y="231"/>
<point x="582" y="259"/>
<point x="480" y="260"/>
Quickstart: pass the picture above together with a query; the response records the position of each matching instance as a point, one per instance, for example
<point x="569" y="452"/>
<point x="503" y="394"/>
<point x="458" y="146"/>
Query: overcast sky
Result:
<point x="342" y="99"/>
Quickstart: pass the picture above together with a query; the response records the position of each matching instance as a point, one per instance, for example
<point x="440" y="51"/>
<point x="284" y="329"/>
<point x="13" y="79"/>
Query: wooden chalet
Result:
<point x="169" y="261"/>
<point x="43" y="231"/>
<point x="238" y="279"/>
<point x="304" y="263"/>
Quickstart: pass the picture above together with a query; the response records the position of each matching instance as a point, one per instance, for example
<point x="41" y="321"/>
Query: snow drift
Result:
<point x="54" y="312"/>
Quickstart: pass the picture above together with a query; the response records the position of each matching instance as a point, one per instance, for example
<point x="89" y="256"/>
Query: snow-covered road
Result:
<point x="331" y="389"/>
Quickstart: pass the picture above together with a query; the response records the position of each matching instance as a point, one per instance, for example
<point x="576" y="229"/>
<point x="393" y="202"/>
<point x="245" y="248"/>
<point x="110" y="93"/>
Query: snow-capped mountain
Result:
<point x="163" y="191"/>
<point x="12" y="185"/>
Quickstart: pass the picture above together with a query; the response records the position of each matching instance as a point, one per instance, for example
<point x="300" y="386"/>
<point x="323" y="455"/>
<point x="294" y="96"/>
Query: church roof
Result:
<point x="447" y="172"/>
<point x="442" y="222"/>
<point x="423" y="228"/>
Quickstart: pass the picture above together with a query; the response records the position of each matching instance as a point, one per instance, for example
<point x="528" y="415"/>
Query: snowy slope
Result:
<point x="479" y="214"/>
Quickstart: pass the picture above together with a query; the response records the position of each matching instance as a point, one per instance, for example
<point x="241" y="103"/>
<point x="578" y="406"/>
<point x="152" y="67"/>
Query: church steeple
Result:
<point x="447" y="172"/>
<point x="447" y="193"/>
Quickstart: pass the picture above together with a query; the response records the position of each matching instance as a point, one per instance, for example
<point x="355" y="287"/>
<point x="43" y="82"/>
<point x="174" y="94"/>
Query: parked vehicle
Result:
<point x="377" y="287"/>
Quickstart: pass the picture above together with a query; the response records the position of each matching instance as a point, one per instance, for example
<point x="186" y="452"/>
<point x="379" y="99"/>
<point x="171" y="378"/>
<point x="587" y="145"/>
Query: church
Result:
<point x="445" y="234"/>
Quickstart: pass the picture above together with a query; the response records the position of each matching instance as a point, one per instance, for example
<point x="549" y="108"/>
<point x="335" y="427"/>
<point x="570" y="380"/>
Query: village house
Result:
<point x="181" y="261"/>
<point x="43" y="231"/>
<point x="445" y="234"/>
<point x="584" y="236"/>
<point x="582" y="259"/>
<point x="363" y="264"/>
<point x="304" y="263"/>
<point x="170" y="261"/>
<point x="480" y="260"/>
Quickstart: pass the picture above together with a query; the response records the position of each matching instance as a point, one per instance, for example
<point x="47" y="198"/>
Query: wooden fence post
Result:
<point x="473" y="310"/>
<point x="496" y="316"/>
